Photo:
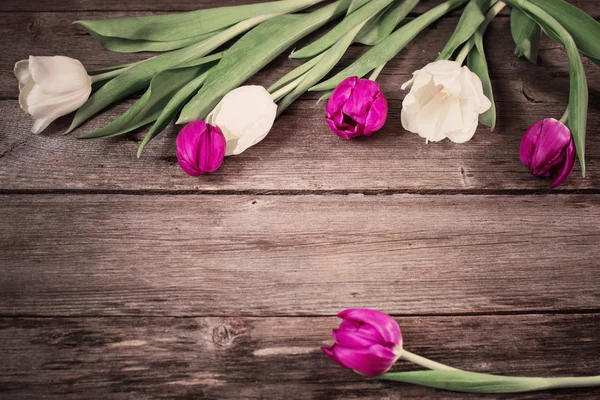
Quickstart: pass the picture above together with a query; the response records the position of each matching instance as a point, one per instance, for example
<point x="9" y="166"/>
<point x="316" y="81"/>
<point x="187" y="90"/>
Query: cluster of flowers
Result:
<point x="447" y="99"/>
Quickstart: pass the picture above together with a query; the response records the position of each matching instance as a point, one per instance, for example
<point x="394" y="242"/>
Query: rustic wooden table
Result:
<point x="123" y="278"/>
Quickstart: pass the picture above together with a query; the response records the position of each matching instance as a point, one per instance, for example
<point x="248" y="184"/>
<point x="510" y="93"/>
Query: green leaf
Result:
<point x="335" y="34"/>
<point x="149" y="107"/>
<point x="135" y="46"/>
<point x="354" y="5"/>
<point x="326" y="64"/>
<point x="473" y="382"/>
<point x="471" y="18"/>
<point x="526" y="33"/>
<point x="477" y="63"/>
<point x="295" y="73"/>
<point x="138" y="76"/>
<point x="170" y="27"/>
<point x="254" y="51"/>
<point x="387" y="23"/>
<point x="170" y="111"/>
<point x="578" y="92"/>
<point x="390" y="46"/>
<point x="584" y="29"/>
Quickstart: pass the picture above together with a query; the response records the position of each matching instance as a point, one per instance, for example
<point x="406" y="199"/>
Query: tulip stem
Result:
<point x="425" y="362"/>
<point x="491" y="14"/>
<point x="565" y="117"/>
<point x="376" y="72"/>
<point x="279" y="94"/>
<point x="108" y="75"/>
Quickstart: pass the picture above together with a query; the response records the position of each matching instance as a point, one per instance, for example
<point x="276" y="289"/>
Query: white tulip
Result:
<point x="50" y="87"/>
<point x="245" y="116"/>
<point x="445" y="101"/>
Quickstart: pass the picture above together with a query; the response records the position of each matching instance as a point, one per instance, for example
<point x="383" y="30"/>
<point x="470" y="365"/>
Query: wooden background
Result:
<point x="124" y="279"/>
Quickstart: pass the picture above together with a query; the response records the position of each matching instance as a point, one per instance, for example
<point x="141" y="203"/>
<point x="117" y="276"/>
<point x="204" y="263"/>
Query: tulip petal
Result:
<point x="554" y="137"/>
<point x="567" y="166"/>
<point x="341" y="94"/>
<point x="377" y="115"/>
<point x="385" y="325"/>
<point x="58" y="74"/>
<point x="527" y="146"/>
<point x="40" y="124"/>
<point x="22" y="73"/>
<point x="41" y="104"/>
<point x="371" y="361"/>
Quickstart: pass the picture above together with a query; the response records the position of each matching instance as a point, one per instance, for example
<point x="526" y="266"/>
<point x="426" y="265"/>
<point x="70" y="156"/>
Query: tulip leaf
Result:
<point x="335" y="34"/>
<point x="472" y="16"/>
<point x="354" y="5"/>
<point x="138" y="76"/>
<point x="149" y="107"/>
<point x="584" y="29"/>
<point x="170" y="111"/>
<point x="390" y="46"/>
<point x="326" y="64"/>
<point x="254" y="51"/>
<point x="295" y="73"/>
<point x="120" y="45"/>
<point x="389" y="20"/>
<point x="526" y="33"/>
<point x="578" y="92"/>
<point x="474" y="382"/>
<point x="477" y="63"/>
<point x="172" y="27"/>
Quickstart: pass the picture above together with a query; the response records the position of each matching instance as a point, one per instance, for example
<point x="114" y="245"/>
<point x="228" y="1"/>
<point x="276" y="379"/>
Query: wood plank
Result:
<point x="124" y="358"/>
<point x="310" y="158"/>
<point x="590" y="6"/>
<point x="91" y="255"/>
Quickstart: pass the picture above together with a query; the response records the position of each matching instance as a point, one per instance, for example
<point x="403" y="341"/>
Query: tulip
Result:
<point x="200" y="148"/>
<point x="245" y="116"/>
<point x="444" y="101"/>
<point x="50" y="87"/>
<point x="357" y="107"/>
<point x="367" y="341"/>
<point x="547" y="149"/>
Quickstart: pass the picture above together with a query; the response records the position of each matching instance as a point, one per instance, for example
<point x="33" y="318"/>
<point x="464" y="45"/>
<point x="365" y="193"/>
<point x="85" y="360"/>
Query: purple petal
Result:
<point x="200" y="148"/>
<point x="549" y="147"/>
<point x="341" y="94"/>
<point x="377" y="115"/>
<point x="217" y="147"/>
<point x="528" y="143"/>
<point x="370" y="361"/>
<point x="567" y="167"/>
<point x="385" y="325"/>
<point x="356" y="337"/>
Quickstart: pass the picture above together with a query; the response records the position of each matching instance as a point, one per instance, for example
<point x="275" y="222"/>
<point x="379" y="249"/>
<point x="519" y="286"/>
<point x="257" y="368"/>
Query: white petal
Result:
<point x="41" y="104"/>
<point x="40" y="124"/>
<point x="473" y="88"/>
<point x="59" y="74"/>
<point x="446" y="73"/>
<point x="22" y="73"/>
<point x="24" y="93"/>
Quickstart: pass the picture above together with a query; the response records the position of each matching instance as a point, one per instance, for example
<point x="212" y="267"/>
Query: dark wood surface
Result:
<point x="124" y="278"/>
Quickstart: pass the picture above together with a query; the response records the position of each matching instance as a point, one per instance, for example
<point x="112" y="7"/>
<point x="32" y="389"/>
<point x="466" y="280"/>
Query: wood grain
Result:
<point x="297" y="255"/>
<point x="239" y="358"/>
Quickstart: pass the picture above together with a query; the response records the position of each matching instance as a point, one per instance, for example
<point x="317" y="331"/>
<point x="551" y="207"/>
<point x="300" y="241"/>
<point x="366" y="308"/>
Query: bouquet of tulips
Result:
<point x="197" y="79"/>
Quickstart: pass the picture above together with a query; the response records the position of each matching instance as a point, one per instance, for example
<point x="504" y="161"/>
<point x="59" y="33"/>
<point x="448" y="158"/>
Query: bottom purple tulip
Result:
<point x="547" y="149"/>
<point x="200" y="148"/>
<point x="367" y="341"/>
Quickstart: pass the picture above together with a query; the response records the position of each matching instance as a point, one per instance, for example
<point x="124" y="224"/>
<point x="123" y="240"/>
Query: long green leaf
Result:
<point x="163" y="28"/>
<point x="471" y="18"/>
<point x="326" y="64"/>
<point x="390" y="46"/>
<point x="477" y="63"/>
<point x="254" y="51"/>
<point x="138" y="76"/>
<point x="387" y="23"/>
<point x="295" y="73"/>
<point x="135" y="46"/>
<point x="584" y="29"/>
<point x="335" y="34"/>
<point x="473" y="382"/>
<point x="526" y="33"/>
<point x="170" y="111"/>
<point x="578" y="92"/>
<point x="149" y="107"/>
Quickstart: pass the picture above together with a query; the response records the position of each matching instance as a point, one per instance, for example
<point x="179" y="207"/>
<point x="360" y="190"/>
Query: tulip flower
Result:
<point x="367" y="341"/>
<point x="245" y="116"/>
<point x="547" y="149"/>
<point x="200" y="148"/>
<point x="357" y="107"/>
<point x="444" y="101"/>
<point x="50" y="87"/>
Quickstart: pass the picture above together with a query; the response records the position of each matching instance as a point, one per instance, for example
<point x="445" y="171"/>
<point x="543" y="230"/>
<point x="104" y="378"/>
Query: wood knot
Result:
<point x="222" y="335"/>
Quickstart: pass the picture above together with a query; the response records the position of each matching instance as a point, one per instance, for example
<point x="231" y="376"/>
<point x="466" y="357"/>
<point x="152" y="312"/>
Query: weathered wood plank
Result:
<point x="297" y="255"/>
<point x="590" y="6"/>
<point x="124" y="358"/>
<point x="309" y="158"/>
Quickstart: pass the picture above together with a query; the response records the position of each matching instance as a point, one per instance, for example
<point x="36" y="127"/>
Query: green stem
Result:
<point x="491" y="14"/>
<point x="565" y="116"/>
<point x="279" y="94"/>
<point x="376" y="72"/>
<point x="108" y="75"/>
<point x="425" y="362"/>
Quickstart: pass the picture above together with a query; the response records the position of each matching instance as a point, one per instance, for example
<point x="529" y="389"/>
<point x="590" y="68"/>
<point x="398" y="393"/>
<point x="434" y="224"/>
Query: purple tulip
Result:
<point x="547" y="149"/>
<point x="367" y="341"/>
<point x="200" y="148"/>
<point x="357" y="107"/>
